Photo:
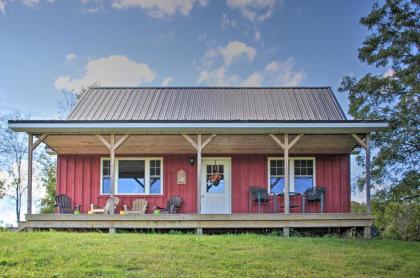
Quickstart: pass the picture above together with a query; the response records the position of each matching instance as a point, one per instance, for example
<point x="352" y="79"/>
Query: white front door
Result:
<point x="215" y="186"/>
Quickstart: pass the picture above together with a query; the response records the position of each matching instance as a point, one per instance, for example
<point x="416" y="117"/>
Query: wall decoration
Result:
<point x="181" y="177"/>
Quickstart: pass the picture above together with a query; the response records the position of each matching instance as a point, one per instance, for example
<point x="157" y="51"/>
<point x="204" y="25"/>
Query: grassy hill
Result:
<point x="54" y="254"/>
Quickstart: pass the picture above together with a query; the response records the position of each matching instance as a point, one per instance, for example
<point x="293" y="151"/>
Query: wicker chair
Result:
<point x="63" y="204"/>
<point x="173" y="204"/>
<point x="260" y="195"/>
<point x="313" y="195"/>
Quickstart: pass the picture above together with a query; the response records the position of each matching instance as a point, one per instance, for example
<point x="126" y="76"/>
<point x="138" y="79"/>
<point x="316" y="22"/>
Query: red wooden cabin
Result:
<point x="161" y="142"/>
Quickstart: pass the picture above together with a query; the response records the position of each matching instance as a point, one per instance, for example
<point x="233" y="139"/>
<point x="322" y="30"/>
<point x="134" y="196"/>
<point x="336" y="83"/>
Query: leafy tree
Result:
<point x="392" y="94"/>
<point x="48" y="179"/>
<point x="13" y="151"/>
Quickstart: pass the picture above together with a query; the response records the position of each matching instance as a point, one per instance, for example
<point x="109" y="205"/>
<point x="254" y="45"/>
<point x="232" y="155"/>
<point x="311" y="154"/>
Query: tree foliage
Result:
<point x="48" y="179"/>
<point x="392" y="46"/>
<point x="392" y="93"/>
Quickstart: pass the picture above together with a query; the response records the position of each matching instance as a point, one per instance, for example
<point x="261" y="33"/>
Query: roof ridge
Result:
<point x="207" y="87"/>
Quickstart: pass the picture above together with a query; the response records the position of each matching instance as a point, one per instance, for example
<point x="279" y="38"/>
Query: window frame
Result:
<point x="146" y="176"/>
<point x="291" y="170"/>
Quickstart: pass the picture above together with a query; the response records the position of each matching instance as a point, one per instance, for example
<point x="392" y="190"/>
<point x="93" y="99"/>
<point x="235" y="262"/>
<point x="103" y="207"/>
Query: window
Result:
<point x="155" y="177"/>
<point x="215" y="178"/>
<point x="301" y="174"/>
<point x="106" y="176"/>
<point x="276" y="176"/>
<point x="133" y="176"/>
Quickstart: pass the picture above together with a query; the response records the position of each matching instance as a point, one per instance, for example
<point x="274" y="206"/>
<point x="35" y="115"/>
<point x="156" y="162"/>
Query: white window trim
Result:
<point x="146" y="176"/>
<point x="291" y="170"/>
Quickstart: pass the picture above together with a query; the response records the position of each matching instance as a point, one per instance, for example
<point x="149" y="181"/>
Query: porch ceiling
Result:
<point x="222" y="144"/>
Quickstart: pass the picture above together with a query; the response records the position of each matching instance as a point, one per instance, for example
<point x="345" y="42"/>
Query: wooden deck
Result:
<point x="198" y="221"/>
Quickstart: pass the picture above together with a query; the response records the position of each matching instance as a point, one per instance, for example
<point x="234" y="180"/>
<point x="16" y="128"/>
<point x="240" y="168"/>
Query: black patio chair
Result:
<point x="172" y="205"/>
<point x="314" y="195"/>
<point x="63" y="204"/>
<point x="260" y="195"/>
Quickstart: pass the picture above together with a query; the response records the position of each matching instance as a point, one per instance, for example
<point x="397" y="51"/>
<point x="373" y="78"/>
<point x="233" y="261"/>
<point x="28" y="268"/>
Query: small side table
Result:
<point x="292" y="195"/>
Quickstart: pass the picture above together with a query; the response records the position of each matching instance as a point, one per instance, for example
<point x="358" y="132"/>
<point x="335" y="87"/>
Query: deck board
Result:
<point x="194" y="221"/>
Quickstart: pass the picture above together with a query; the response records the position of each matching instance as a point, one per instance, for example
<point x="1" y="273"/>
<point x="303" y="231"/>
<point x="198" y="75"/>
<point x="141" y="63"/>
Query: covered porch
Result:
<point x="191" y="144"/>
<point x="201" y="222"/>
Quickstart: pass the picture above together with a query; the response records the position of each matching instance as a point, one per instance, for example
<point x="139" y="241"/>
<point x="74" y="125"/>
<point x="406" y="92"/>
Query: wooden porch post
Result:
<point x="368" y="207"/>
<point x="112" y="146"/>
<point x="112" y="167"/>
<point x="31" y="147"/>
<point x="199" y="146"/>
<point x="286" y="175"/>
<point x="29" y="199"/>
<point x="286" y="146"/>
<point x="199" y="149"/>
<point x="366" y="146"/>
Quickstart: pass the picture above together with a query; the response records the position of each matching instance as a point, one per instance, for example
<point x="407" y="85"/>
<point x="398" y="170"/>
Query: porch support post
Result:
<point x="112" y="167"/>
<point x="199" y="146"/>
<point x="112" y="146"/>
<point x="31" y="147"/>
<point x="368" y="207"/>
<point x="199" y="149"/>
<point x="286" y="146"/>
<point x="286" y="175"/>
<point x="29" y="199"/>
<point x="365" y="145"/>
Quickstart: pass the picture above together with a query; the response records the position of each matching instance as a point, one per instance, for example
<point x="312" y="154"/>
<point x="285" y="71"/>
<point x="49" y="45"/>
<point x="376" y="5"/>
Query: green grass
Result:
<point x="53" y="254"/>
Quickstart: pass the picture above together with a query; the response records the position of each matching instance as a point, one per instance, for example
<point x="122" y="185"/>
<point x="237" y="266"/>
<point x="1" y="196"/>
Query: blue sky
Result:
<point x="51" y="46"/>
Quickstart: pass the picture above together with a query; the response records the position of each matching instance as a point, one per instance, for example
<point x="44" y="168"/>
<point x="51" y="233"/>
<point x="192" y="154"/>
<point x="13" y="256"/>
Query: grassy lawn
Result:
<point x="42" y="254"/>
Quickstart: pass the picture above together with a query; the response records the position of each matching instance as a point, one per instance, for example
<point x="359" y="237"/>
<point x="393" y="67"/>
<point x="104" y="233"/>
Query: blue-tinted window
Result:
<point x="303" y="183"/>
<point x="106" y="185"/>
<point x="131" y="178"/>
<point x="276" y="184"/>
<point x="304" y="174"/>
<point x="277" y="176"/>
<point x="155" y="177"/>
<point x="106" y="179"/>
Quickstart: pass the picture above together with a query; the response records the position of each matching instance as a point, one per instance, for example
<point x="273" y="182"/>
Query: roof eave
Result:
<point x="104" y="127"/>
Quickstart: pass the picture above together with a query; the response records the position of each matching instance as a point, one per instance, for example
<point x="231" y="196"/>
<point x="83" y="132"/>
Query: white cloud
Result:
<point x="160" y="8"/>
<point x="71" y="57"/>
<point x="389" y="73"/>
<point x="282" y="73"/>
<point x="3" y="6"/>
<point x="254" y="80"/>
<point x="255" y="10"/>
<point x="114" y="70"/>
<point x="234" y="50"/>
<point x="257" y="35"/>
<point x="227" y="22"/>
<point x="168" y="80"/>
<point x="218" y="77"/>
<point x="30" y="3"/>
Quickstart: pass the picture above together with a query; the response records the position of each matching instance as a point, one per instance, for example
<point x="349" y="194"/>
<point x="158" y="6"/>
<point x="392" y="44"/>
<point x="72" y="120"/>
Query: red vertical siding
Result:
<point x="78" y="176"/>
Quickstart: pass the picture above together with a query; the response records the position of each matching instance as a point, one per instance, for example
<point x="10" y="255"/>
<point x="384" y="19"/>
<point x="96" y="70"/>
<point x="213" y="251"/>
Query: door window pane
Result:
<point x="131" y="177"/>
<point x="215" y="179"/>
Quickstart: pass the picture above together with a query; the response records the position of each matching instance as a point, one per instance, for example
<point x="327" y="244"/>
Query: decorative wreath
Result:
<point x="215" y="178"/>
